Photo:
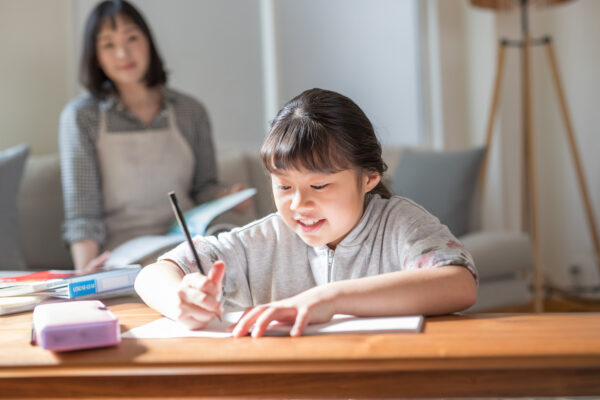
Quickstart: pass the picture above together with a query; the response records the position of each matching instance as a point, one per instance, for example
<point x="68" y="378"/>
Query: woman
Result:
<point x="129" y="141"/>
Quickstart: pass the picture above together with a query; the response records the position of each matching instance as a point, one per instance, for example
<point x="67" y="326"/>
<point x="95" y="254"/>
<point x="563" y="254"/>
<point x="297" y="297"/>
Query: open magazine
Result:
<point x="142" y="249"/>
<point x="165" y="328"/>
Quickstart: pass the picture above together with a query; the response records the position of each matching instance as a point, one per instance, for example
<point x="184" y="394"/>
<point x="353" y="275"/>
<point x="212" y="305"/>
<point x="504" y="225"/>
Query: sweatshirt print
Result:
<point x="266" y="261"/>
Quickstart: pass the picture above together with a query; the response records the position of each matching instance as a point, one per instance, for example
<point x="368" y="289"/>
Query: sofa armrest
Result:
<point x="499" y="293"/>
<point x="498" y="253"/>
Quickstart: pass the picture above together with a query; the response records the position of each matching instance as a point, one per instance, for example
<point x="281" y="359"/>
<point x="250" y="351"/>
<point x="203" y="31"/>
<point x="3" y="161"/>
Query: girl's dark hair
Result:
<point x="323" y="131"/>
<point x="91" y="75"/>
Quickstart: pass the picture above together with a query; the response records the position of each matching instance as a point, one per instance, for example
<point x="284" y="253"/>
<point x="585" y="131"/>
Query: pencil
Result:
<point x="184" y="228"/>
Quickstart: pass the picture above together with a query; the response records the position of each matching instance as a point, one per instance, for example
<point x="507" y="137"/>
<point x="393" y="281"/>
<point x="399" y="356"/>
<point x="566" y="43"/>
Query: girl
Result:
<point x="118" y="142"/>
<point x="339" y="243"/>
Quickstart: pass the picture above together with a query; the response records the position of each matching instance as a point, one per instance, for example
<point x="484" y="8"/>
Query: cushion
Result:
<point x="12" y="162"/>
<point x="442" y="182"/>
<point x="41" y="214"/>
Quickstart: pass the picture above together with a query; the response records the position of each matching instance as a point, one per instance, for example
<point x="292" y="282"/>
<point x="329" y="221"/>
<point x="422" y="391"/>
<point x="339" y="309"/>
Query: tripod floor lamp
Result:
<point x="530" y="199"/>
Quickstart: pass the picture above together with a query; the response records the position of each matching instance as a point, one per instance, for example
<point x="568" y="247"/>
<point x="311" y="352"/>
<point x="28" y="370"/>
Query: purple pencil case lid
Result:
<point x="74" y="325"/>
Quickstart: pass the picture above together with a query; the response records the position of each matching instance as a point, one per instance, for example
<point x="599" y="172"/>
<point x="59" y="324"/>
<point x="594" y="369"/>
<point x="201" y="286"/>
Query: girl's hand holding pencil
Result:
<point x="199" y="297"/>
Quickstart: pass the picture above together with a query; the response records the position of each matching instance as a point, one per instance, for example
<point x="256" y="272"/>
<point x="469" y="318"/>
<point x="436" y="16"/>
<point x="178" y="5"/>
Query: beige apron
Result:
<point x="137" y="171"/>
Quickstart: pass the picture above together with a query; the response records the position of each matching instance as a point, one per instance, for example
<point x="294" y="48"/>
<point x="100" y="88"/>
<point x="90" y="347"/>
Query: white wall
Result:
<point x="363" y="49"/>
<point x="34" y="70"/>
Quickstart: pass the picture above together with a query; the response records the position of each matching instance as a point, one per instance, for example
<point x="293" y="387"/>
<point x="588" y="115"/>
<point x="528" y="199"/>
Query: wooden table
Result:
<point x="456" y="356"/>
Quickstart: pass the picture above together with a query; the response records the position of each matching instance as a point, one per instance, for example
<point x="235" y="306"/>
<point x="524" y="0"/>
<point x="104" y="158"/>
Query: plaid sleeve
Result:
<point x="82" y="197"/>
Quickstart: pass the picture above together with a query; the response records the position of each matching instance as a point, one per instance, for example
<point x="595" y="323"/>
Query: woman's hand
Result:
<point x="199" y="297"/>
<point x="309" y="307"/>
<point x="95" y="264"/>
<point x="86" y="257"/>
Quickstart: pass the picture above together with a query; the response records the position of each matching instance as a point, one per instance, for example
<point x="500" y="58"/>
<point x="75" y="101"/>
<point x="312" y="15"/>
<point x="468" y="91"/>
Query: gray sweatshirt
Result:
<point x="266" y="261"/>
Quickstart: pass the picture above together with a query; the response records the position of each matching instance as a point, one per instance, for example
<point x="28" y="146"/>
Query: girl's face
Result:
<point x="321" y="208"/>
<point x="123" y="52"/>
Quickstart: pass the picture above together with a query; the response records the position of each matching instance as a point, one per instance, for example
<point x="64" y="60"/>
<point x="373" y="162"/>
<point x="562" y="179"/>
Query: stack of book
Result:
<point x="23" y="292"/>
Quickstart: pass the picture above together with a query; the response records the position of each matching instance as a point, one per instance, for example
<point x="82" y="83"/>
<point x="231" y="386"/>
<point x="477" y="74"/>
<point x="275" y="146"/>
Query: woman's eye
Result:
<point x="133" y="38"/>
<point x="318" y="187"/>
<point x="107" y="46"/>
<point x="283" y="187"/>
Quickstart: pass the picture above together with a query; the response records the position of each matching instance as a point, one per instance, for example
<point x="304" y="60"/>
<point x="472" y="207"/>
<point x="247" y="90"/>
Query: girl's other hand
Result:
<point x="199" y="297"/>
<point x="310" y="307"/>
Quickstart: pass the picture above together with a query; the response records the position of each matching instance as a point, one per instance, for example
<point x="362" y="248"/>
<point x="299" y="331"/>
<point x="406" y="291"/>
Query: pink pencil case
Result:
<point x="74" y="325"/>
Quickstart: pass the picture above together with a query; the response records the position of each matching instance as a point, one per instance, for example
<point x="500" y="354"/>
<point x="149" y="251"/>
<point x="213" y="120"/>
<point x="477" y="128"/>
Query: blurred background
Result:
<point x="423" y="71"/>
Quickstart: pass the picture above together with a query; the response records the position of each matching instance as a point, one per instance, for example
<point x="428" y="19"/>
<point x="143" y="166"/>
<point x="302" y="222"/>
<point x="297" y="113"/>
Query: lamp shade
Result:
<point x="508" y="4"/>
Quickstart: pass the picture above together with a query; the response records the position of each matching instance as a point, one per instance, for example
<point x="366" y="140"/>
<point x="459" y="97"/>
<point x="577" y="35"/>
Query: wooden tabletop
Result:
<point x="456" y="356"/>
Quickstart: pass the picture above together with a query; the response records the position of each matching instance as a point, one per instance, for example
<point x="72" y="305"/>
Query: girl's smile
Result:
<point x="310" y="225"/>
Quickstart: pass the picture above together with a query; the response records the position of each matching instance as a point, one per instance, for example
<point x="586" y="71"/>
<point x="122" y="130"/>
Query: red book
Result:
<point x="38" y="276"/>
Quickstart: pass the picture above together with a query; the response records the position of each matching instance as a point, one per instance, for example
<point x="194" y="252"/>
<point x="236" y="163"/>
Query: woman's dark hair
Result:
<point x="91" y="75"/>
<point x="323" y="131"/>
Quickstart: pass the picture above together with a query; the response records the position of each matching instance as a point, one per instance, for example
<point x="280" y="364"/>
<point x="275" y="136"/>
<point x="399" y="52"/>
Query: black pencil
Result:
<point x="183" y="226"/>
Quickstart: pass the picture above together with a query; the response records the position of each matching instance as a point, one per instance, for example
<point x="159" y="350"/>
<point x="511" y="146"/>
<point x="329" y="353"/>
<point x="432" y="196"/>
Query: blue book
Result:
<point x="98" y="282"/>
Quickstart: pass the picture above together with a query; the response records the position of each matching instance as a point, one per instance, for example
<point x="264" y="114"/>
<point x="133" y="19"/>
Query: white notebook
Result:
<point x="340" y="324"/>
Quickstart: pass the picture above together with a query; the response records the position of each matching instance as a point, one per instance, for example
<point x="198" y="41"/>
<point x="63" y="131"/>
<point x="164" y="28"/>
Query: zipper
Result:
<point x="329" y="265"/>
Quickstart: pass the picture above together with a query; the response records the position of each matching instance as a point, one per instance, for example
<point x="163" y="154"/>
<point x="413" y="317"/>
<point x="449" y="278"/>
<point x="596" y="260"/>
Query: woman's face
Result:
<point x="123" y="51"/>
<point x="321" y="208"/>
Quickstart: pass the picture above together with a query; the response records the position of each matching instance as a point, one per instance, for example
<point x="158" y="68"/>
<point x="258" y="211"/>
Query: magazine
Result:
<point x="145" y="249"/>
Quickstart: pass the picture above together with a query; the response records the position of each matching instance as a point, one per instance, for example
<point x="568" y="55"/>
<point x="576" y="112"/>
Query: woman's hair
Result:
<point x="91" y="74"/>
<point x="323" y="131"/>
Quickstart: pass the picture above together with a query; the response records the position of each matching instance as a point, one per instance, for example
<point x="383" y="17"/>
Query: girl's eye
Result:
<point x="107" y="46"/>
<point x="133" y="38"/>
<point x="318" y="187"/>
<point x="283" y="187"/>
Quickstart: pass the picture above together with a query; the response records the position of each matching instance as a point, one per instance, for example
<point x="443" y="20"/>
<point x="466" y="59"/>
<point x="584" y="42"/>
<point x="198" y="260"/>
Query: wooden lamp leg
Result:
<point x="530" y="161"/>
<point x="538" y="283"/>
<point x="574" y="152"/>
<point x="492" y="118"/>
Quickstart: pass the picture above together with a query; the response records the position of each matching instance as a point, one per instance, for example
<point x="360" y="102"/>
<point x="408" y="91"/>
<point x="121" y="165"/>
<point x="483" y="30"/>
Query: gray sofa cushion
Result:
<point x="12" y="162"/>
<point x="442" y="182"/>
<point x="41" y="213"/>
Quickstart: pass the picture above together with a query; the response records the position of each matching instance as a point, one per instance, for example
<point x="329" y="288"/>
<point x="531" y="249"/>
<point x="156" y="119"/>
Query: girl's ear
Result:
<point x="370" y="180"/>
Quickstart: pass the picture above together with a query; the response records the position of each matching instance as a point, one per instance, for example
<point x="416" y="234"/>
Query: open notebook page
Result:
<point x="340" y="324"/>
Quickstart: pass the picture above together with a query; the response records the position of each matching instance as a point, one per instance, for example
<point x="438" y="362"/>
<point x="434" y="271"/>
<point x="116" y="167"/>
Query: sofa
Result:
<point x="503" y="259"/>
